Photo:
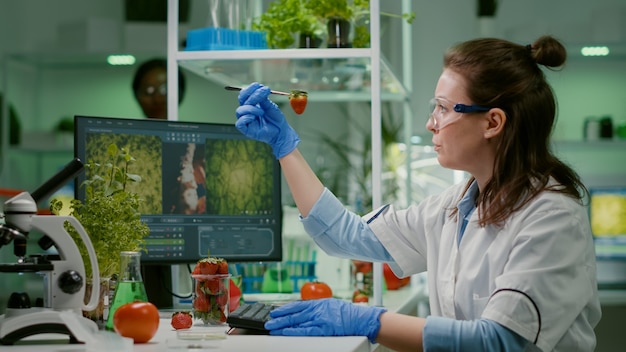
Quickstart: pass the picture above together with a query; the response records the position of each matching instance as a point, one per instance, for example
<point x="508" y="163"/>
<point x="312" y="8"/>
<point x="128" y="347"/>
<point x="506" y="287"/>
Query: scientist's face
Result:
<point x="458" y="138"/>
<point x="152" y="93"/>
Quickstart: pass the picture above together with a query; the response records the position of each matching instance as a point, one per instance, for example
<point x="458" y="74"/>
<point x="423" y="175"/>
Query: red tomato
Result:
<point x="393" y="282"/>
<point x="315" y="290"/>
<point x="137" y="320"/>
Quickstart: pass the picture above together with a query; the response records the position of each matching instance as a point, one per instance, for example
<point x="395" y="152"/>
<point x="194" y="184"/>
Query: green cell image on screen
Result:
<point x="239" y="177"/>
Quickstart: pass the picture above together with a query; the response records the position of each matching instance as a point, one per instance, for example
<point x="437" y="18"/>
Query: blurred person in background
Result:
<point x="150" y="88"/>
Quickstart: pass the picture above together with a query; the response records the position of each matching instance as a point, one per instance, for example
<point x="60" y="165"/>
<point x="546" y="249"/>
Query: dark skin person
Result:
<point x="152" y="93"/>
<point x="150" y="87"/>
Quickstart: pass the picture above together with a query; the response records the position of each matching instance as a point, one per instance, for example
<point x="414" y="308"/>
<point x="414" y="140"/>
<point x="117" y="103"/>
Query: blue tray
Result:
<point x="215" y="38"/>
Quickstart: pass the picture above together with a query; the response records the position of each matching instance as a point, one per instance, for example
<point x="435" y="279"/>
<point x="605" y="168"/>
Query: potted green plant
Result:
<point x="283" y="20"/>
<point x="360" y="19"/>
<point x="336" y="15"/>
<point x="109" y="213"/>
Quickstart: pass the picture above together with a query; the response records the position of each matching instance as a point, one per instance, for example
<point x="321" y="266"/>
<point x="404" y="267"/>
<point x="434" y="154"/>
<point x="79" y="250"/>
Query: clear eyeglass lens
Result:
<point x="442" y="113"/>
<point x="437" y="110"/>
<point x="153" y="90"/>
<point x="432" y="105"/>
<point x="435" y="106"/>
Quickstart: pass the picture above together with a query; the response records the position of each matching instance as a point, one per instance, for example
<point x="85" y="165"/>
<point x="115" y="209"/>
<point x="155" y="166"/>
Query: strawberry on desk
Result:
<point x="211" y="266"/>
<point x="360" y="296"/>
<point x="206" y="266"/>
<point x="222" y="267"/>
<point x="181" y="320"/>
<point x="201" y="304"/>
<point x="211" y="296"/>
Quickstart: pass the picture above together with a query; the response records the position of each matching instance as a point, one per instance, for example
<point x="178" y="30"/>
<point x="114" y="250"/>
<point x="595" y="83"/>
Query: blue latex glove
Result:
<point x="260" y="118"/>
<point x="325" y="317"/>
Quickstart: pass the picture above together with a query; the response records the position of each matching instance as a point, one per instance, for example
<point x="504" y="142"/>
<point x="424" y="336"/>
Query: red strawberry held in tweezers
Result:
<point x="298" y="100"/>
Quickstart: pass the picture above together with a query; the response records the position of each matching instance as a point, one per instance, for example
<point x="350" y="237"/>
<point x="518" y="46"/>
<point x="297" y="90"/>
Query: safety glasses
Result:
<point x="152" y="90"/>
<point x="444" y="112"/>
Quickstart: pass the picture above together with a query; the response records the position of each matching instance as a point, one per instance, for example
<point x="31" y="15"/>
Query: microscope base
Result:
<point x="17" y="327"/>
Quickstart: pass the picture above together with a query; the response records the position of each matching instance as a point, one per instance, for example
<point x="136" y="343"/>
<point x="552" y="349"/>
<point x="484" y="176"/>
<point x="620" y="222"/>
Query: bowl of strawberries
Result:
<point x="211" y="297"/>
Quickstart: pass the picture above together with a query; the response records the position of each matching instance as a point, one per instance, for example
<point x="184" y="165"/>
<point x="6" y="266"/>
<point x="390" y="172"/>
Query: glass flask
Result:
<point x="130" y="286"/>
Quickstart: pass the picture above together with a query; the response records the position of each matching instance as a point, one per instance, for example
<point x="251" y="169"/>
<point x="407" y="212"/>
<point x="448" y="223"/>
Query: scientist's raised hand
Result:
<point x="325" y="317"/>
<point x="260" y="118"/>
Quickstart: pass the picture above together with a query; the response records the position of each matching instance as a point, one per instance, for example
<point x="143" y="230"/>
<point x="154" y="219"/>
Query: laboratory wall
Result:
<point x="47" y="76"/>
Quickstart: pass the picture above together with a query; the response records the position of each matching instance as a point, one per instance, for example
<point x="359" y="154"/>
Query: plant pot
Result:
<point x="100" y="314"/>
<point x="309" y="41"/>
<point x="338" y="33"/>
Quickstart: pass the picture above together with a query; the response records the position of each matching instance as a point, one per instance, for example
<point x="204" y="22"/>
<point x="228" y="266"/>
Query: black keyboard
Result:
<point x="250" y="316"/>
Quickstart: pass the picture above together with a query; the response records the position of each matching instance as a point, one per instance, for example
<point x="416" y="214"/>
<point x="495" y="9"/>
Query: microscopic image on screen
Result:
<point x="239" y="177"/>
<point x="184" y="181"/>
<point x="146" y="151"/>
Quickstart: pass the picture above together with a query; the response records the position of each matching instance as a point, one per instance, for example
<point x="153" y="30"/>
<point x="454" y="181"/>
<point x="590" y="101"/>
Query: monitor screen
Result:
<point x="607" y="213"/>
<point x="206" y="188"/>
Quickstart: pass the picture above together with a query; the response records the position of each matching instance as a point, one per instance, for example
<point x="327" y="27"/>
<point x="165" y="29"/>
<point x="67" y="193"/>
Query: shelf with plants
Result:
<point x="328" y="74"/>
<point x="240" y="67"/>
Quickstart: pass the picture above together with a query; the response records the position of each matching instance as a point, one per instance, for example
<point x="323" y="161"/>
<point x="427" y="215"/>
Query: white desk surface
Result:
<point x="403" y="301"/>
<point x="166" y="339"/>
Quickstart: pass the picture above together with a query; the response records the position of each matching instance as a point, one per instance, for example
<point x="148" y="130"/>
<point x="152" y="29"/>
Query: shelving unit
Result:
<point x="599" y="163"/>
<point x="241" y="67"/>
<point x="332" y="68"/>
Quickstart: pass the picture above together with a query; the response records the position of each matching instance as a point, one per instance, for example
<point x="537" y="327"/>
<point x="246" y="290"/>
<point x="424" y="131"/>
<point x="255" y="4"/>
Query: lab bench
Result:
<point x="404" y="301"/>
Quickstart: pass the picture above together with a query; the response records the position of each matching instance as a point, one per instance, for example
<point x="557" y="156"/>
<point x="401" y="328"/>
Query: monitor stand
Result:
<point x="158" y="282"/>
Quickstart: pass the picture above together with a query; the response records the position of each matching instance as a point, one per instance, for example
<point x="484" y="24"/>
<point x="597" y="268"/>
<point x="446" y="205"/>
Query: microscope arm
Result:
<point x="53" y="227"/>
<point x="93" y="259"/>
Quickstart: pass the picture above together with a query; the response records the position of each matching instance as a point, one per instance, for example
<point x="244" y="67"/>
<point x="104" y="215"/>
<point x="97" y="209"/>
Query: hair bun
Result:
<point x="548" y="51"/>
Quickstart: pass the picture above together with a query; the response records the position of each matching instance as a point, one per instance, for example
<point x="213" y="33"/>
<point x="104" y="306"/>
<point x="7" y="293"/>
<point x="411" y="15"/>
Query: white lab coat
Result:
<point x="536" y="275"/>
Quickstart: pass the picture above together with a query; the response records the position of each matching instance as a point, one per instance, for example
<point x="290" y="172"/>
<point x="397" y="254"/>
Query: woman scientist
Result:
<point x="509" y="254"/>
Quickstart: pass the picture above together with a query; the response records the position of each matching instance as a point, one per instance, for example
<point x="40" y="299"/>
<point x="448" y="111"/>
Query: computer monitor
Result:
<point x="182" y="163"/>
<point x="607" y="214"/>
<point x="607" y="211"/>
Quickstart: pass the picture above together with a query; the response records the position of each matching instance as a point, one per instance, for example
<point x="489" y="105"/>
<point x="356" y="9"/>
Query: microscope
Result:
<point x="63" y="273"/>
